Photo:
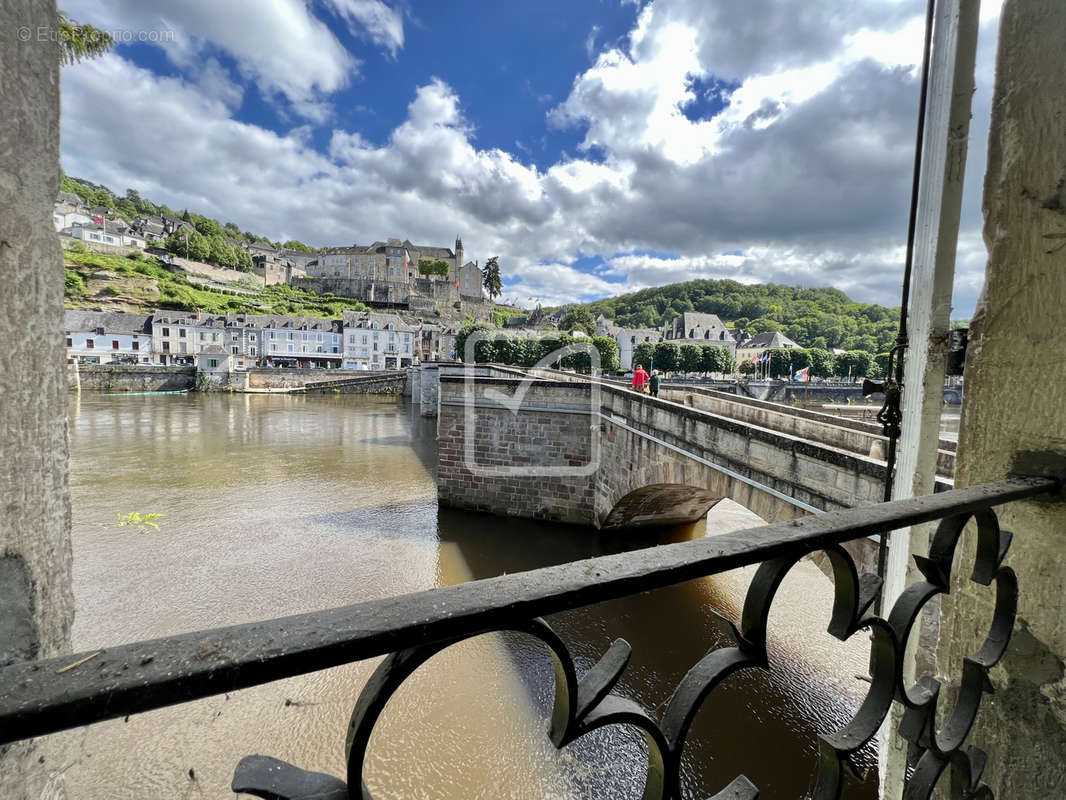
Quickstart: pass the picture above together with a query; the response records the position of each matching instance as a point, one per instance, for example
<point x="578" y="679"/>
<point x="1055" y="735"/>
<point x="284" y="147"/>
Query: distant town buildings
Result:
<point x="361" y="340"/>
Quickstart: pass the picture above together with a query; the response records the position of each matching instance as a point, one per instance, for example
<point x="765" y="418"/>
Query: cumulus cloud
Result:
<point x="280" y="45"/>
<point x="806" y="170"/>
<point x="383" y="25"/>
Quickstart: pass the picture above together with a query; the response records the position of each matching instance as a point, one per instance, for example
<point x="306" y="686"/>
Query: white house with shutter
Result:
<point x="378" y="341"/>
<point x="108" y="337"/>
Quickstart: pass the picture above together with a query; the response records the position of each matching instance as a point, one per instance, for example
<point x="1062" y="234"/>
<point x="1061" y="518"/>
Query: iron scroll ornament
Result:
<point x="585" y="704"/>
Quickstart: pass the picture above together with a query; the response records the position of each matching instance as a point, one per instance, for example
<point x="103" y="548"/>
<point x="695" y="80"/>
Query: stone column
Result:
<point x="36" y="603"/>
<point x="1014" y="415"/>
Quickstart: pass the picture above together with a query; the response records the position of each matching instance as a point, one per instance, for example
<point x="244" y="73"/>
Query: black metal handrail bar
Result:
<point x="46" y="696"/>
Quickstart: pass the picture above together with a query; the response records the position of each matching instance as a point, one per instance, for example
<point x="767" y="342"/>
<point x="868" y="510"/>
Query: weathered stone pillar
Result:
<point x="36" y="603"/>
<point x="1014" y="416"/>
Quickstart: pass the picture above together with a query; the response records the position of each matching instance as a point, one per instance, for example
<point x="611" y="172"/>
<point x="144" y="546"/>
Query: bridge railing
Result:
<point x="42" y="697"/>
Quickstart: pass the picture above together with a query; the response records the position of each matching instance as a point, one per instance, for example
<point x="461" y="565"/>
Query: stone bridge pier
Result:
<point x="600" y="455"/>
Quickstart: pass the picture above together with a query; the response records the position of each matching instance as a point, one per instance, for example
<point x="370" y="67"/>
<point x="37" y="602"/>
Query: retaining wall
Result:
<point x="131" y="378"/>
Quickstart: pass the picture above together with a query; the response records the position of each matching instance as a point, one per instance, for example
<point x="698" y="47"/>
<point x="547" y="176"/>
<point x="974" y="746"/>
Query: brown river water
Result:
<point x="277" y="505"/>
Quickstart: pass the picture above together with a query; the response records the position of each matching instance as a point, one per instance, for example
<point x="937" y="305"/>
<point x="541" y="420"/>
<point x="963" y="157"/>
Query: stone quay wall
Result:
<point x="264" y="378"/>
<point x="132" y="378"/>
<point x="492" y="459"/>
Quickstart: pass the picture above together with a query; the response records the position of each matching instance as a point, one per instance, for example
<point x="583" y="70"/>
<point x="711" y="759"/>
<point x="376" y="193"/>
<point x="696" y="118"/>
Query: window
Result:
<point x="166" y="331"/>
<point x="166" y="347"/>
<point x="234" y="337"/>
<point x="181" y="333"/>
<point x="136" y="346"/>
<point x="90" y="344"/>
<point x="184" y="348"/>
<point x="290" y="347"/>
<point x="251" y="336"/>
<point x="251" y="351"/>
<point x="290" y="339"/>
<point x="234" y="350"/>
<point x="212" y="363"/>
<point x="272" y="334"/>
<point x="364" y="339"/>
<point x="114" y="344"/>
<point x="201" y="336"/>
<point x="320" y="337"/>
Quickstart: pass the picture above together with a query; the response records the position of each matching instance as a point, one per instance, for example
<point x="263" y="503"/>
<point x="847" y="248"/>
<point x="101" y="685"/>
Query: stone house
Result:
<point x="378" y="341"/>
<point x="108" y="337"/>
<point x="694" y="327"/>
<point x="471" y="280"/>
<point x="754" y="346"/>
<point x="67" y="215"/>
<point x="629" y="338"/>
<point x="111" y="232"/>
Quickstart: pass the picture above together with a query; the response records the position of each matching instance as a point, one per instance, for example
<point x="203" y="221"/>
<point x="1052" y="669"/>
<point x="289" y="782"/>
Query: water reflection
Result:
<point x="276" y="505"/>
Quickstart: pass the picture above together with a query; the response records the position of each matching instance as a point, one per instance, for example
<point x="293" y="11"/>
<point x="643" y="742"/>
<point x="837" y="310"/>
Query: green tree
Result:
<point x="199" y="247"/>
<point x="220" y="252"/>
<point x="854" y="364"/>
<point x="292" y="244"/>
<point x="608" y="349"/>
<point x="881" y="361"/>
<point x="491" y="280"/>
<point x="821" y="362"/>
<point x="243" y="259"/>
<point x="433" y="266"/>
<point x="464" y="334"/>
<point x="643" y="354"/>
<point x="780" y="361"/>
<point x="102" y="197"/>
<point x="691" y="358"/>
<point x="578" y="318"/>
<point x="667" y="355"/>
<point x="79" y="42"/>
<point x="716" y="359"/>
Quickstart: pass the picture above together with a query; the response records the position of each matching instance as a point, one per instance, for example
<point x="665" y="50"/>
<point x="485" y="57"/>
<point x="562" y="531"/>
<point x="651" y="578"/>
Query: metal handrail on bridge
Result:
<point x="42" y="697"/>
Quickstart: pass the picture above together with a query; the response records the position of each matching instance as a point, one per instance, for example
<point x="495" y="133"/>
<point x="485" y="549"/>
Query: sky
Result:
<point x="595" y="146"/>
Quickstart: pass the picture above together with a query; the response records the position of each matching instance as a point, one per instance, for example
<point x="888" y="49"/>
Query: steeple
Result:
<point x="458" y="255"/>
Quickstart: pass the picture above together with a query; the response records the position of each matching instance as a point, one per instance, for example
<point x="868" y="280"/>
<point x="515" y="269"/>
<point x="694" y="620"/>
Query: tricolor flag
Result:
<point x="803" y="374"/>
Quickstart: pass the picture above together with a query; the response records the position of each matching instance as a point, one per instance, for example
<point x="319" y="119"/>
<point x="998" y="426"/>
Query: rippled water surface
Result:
<point x="277" y="505"/>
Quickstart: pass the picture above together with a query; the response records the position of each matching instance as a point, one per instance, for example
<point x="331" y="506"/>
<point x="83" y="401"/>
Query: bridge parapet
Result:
<point x="518" y="447"/>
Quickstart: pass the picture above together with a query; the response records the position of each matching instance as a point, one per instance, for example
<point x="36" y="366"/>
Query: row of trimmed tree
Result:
<point x="532" y="351"/>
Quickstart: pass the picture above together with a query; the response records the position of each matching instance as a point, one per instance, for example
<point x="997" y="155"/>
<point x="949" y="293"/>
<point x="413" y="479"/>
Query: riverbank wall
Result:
<point x="130" y="378"/>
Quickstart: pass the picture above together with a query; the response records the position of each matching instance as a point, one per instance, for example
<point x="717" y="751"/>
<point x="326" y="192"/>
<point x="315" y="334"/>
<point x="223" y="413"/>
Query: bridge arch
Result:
<point x="660" y="504"/>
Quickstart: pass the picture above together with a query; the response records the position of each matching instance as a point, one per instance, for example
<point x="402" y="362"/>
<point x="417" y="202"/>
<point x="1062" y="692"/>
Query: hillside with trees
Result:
<point x="819" y="318"/>
<point x="212" y="242"/>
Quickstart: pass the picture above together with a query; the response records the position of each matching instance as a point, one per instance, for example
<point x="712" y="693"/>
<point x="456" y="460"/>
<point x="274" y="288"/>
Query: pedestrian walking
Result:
<point x="656" y="382"/>
<point x="640" y="379"/>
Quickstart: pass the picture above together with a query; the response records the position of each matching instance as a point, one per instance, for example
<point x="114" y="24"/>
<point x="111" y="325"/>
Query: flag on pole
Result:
<point x="802" y="374"/>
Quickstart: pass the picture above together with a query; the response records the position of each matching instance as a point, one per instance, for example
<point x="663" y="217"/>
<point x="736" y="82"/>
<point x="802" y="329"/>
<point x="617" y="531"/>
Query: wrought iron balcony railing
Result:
<point x="42" y="697"/>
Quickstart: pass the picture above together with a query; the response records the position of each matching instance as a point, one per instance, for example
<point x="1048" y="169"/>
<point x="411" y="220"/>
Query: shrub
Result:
<point x="111" y="291"/>
<point x="73" y="284"/>
<point x="135" y="255"/>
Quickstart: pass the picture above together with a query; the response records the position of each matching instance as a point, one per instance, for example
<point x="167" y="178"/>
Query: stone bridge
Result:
<point x="560" y="447"/>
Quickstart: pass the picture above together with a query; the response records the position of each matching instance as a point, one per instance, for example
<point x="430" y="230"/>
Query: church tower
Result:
<point x="458" y="257"/>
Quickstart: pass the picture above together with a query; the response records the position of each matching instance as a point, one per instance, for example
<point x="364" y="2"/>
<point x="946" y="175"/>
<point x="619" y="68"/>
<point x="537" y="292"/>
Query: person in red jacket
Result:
<point x="640" y="378"/>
